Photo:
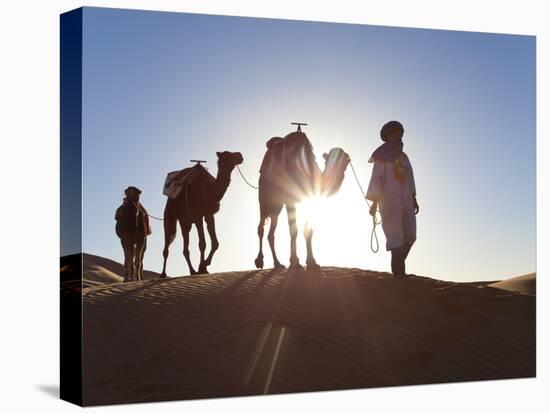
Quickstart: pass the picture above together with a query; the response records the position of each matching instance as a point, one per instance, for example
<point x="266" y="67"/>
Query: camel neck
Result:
<point x="333" y="176"/>
<point x="223" y="178"/>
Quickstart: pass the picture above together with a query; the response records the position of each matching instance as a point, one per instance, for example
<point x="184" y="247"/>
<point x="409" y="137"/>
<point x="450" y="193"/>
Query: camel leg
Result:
<point x="259" y="262"/>
<point x="291" y="213"/>
<point x="202" y="245"/>
<point x="271" y="240"/>
<point x="185" y="229"/>
<point x="141" y="259"/>
<point x="124" y="252"/>
<point x="211" y="227"/>
<point x="131" y="261"/>
<point x="138" y="258"/>
<point x="310" y="261"/>
<point x="169" y="236"/>
<point x="125" y="249"/>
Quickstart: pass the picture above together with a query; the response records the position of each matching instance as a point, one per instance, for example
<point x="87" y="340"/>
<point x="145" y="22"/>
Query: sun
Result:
<point x="312" y="210"/>
<point x="342" y="229"/>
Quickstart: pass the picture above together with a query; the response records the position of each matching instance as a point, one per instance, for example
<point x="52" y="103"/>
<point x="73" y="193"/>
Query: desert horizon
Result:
<point x="99" y="269"/>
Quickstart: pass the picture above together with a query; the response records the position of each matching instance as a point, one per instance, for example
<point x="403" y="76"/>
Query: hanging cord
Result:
<point x="373" y="235"/>
<point x="245" y="180"/>
<point x="156" y="218"/>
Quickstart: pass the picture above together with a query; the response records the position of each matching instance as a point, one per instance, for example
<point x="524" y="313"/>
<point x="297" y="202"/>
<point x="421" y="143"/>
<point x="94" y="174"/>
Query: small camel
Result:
<point x="290" y="174"/>
<point x="198" y="201"/>
<point x="132" y="227"/>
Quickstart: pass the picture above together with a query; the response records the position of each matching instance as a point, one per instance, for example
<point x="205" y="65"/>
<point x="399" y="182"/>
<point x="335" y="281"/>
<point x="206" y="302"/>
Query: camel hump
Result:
<point x="299" y="160"/>
<point x="296" y="143"/>
<point x="273" y="142"/>
<point x="293" y="154"/>
<point x="176" y="180"/>
<point x="296" y="136"/>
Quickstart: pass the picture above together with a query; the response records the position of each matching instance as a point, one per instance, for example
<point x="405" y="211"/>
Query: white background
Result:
<point x="29" y="208"/>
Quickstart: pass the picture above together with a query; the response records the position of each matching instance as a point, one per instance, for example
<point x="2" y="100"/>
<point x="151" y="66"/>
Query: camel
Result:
<point x="290" y="174"/>
<point x="197" y="202"/>
<point x="132" y="227"/>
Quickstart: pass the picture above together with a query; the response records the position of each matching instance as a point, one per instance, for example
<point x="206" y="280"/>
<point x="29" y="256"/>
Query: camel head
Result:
<point x="132" y="193"/>
<point x="228" y="160"/>
<point x="336" y="162"/>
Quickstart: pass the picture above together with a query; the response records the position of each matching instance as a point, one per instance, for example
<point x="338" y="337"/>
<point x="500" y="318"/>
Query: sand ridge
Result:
<point x="524" y="284"/>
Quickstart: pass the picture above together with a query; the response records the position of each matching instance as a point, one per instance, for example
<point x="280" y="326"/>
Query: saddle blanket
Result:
<point x="177" y="180"/>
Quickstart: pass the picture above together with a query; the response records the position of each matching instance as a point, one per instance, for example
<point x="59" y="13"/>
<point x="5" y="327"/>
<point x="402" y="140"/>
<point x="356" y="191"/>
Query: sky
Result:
<point x="162" y="88"/>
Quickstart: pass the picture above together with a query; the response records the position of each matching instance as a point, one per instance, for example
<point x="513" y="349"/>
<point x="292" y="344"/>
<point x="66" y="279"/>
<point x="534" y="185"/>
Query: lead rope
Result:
<point x="137" y="207"/>
<point x="373" y="235"/>
<point x="245" y="180"/>
<point x="156" y="218"/>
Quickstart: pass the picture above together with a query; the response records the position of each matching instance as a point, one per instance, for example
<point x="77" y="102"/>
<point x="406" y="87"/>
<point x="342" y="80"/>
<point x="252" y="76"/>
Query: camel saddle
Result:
<point x="177" y="180"/>
<point x="293" y="154"/>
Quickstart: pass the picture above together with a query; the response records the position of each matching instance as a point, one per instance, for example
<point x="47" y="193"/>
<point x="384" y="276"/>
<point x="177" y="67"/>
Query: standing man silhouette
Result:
<point x="392" y="189"/>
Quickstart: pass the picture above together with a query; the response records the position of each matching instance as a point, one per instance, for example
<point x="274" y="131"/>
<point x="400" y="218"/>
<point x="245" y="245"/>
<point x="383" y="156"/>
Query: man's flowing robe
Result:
<point x="392" y="186"/>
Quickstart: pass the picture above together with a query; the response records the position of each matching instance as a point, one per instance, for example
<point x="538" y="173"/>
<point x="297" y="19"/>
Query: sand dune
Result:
<point x="264" y="332"/>
<point x="524" y="284"/>
<point x="96" y="270"/>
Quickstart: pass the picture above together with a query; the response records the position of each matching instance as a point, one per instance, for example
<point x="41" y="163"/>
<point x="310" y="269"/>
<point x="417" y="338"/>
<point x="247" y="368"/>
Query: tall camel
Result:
<point x="198" y="201"/>
<point x="290" y="174"/>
